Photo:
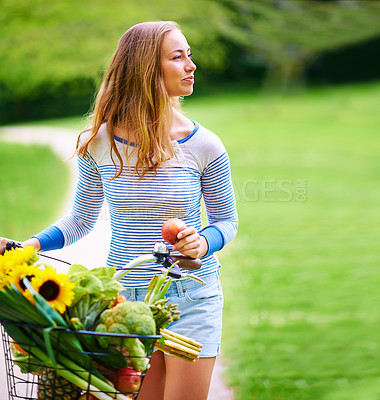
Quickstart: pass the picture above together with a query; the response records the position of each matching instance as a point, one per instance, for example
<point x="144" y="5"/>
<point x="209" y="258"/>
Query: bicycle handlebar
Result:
<point x="185" y="262"/>
<point x="160" y="254"/>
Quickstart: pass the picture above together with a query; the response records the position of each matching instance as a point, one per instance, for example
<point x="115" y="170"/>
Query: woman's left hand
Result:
<point x="191" y="243"/>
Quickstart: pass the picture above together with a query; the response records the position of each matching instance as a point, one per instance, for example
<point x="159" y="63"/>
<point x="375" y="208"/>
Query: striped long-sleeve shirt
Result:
<point x="139" y="208"/>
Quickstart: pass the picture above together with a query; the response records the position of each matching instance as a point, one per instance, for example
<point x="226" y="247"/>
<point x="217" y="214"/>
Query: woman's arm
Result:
<point x="220" y="204"/>
<point x="87" y="204"/>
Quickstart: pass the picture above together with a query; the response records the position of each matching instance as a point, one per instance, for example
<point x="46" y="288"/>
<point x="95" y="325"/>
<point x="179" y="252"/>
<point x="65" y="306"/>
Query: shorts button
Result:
<point x="184" y="290"/>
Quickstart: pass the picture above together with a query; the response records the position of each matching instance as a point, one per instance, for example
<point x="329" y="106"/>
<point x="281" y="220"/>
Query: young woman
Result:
<point x="151" y="163"/>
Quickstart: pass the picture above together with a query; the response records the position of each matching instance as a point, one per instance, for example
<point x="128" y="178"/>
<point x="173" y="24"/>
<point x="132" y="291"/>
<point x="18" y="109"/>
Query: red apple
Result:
<point x="171" y="228"/>
<point x="127" y="380"/>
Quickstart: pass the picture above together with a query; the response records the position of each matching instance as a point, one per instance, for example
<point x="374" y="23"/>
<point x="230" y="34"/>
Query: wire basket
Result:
<point x="47" y="383"/>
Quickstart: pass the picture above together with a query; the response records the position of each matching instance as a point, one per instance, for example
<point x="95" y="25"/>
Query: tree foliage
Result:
<point x="289" y="34"/>
<point x="53" y="53"/>
<point x="44" y="41"/>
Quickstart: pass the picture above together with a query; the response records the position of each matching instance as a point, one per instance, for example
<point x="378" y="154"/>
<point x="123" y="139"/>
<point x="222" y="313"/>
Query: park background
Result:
<point x="292" y="88"/>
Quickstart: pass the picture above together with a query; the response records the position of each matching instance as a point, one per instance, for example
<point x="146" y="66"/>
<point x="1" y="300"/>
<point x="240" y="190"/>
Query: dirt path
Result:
<point x="91" y="250"/>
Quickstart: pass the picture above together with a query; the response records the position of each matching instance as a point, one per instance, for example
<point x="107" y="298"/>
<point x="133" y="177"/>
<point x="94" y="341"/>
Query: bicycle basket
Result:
<point x="28" y="379"/>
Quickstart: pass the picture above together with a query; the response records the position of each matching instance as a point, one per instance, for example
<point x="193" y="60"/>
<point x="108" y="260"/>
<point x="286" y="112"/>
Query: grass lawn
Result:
<point x="300" y="280"/>
<point x="33" y="183"/>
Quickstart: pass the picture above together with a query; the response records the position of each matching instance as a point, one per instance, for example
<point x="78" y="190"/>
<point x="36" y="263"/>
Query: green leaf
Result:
<point x="107" y="272"/>
<point x="26" y="362"/>
<point x="15" y="307"/>
<point x="92" y="283"/>
<point x="79" y="293"/>
<point x="111" y="288"/>
<point x="164" y="289"/>
<point x="49" y="348"/>
<point x="77" y="270"/>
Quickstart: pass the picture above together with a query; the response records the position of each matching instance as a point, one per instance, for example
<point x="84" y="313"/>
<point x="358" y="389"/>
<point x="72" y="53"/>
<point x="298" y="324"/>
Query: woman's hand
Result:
<point x="191" y="243"/>
<point x="3" y="242"/>
<point x="30" y="242"/>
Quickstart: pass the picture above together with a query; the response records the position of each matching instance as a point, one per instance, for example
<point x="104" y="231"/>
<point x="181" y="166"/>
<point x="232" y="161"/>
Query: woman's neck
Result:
<point x="181" y="126"/>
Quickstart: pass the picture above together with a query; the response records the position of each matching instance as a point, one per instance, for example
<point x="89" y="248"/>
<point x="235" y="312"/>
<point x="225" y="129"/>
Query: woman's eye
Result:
<point x="180" y="56"/>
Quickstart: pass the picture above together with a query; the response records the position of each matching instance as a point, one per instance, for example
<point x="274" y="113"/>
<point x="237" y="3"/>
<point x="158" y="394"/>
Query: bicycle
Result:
<point x="48" y="384"/>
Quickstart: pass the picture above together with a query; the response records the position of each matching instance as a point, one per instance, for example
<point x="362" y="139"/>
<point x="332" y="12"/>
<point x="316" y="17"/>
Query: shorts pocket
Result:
<point x="211" y="292"/>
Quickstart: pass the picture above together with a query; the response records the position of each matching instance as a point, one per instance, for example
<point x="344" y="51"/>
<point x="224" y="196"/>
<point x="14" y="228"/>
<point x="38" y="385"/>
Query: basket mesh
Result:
<point x="46" y="383"/>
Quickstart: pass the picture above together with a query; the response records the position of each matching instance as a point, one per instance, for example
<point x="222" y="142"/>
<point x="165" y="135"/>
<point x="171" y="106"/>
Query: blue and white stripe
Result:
<point x="139" y="208"/>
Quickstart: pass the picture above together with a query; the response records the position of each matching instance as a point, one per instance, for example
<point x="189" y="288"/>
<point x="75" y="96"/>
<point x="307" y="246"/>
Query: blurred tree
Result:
<point x="290" y="34"/>
<point x="44" y="41"/>
<point x="53" y="53"/>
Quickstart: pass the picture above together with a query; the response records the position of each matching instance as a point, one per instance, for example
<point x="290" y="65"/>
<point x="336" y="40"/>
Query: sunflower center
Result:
<point x="28" y="277"/>
<point x="49" y="290"/>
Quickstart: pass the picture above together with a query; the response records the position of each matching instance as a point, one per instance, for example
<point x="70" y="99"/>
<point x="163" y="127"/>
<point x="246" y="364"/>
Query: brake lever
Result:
<point x="171" y="263"/>
<point x="175" y="272"/>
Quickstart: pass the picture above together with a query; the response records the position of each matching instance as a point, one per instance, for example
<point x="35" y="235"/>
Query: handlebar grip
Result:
<point x="10" y="245"/>
<point x="187" y="262"/>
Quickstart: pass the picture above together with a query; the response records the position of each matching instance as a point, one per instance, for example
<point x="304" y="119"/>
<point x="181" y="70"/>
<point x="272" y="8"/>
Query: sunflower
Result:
<point x="55" y="288"/>
<point x="4" y="275"/>
<point x="3" y="279"/>
<point x="19" y="272"/>
<point x="18" y="256"/>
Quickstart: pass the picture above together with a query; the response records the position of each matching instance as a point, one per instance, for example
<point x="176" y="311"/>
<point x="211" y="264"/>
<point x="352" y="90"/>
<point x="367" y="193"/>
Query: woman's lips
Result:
<point x="189" y="79"/>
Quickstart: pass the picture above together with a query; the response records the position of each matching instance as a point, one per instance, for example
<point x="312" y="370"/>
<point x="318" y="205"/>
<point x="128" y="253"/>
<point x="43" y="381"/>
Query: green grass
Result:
<point x="76" y="122"/>
<point x="33" y="184"/>
<point x="300" y="280"/>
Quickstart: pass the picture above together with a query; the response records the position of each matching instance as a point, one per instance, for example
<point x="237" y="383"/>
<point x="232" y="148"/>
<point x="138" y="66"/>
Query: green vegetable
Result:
<point x="14" y="307"/>
<point x="128" y="318"/>
<point x="26" y="362"/>
<point x="95" y="290"/>
<point x="135" y="354"/>
<point x="163" y="311"/>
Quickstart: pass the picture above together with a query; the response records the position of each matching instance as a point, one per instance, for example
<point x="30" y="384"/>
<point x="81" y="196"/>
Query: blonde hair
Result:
<point x="133" y="97"/>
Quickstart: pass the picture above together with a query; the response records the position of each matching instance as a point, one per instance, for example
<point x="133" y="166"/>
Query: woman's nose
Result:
<point x="190" y="66"/>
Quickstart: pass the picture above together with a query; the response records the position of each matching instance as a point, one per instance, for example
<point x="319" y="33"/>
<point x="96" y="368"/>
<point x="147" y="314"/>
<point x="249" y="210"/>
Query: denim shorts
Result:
<point x="201" y="310"/>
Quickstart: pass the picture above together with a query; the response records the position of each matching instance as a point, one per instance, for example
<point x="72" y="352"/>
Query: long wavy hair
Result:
<point x="133" y="97"/>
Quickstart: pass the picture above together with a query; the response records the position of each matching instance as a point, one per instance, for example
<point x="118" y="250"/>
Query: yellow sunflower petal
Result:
<point x="19" y="272"/>
<point x="56" y="288"/>
<point x="18" y="256"/>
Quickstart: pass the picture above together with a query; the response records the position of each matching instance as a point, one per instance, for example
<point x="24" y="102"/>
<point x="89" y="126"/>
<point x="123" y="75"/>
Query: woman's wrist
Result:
<point x="204" y="246"/>
<point x="32" y="242"/>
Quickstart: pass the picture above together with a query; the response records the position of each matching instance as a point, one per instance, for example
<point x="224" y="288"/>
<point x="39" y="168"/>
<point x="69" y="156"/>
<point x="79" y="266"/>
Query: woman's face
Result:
<point x="178" y="69"/>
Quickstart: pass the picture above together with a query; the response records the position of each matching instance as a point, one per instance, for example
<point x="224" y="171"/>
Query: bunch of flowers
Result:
<point x="19" y="263"/>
